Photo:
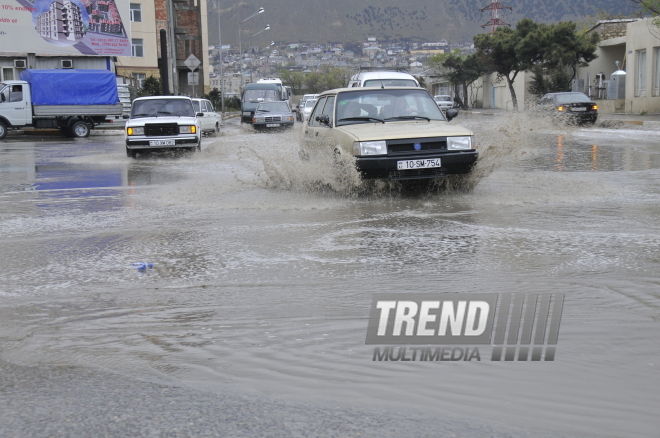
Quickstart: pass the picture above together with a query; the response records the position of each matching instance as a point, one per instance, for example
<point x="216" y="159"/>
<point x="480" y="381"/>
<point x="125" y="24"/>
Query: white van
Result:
<point x="383" y="79"/>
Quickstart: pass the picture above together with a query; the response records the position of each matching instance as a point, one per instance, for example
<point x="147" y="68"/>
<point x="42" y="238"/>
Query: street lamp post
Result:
<point x="262" y="30"/>
<point x="240" y="48"/>
<point x="222" y="74"/>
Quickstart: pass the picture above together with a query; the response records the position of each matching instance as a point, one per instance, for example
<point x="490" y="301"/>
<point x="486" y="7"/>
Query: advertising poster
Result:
<point x="65" y="27"/>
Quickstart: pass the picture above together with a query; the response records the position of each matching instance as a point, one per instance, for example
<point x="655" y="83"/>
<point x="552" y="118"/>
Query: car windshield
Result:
<point x="310" y="103"/>
<point x="369" y="105"/>
<point x="256" y="95"/>
<point x="162" y="108"/>
<point x="390" y="83"/>
<point x="273" y="107"/>
<point x="572" y="98"/>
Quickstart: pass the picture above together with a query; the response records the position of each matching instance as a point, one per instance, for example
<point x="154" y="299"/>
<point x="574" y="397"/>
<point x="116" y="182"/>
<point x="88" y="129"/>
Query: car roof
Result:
<point x="163" y="97"/>
<point x="563" y="93"/>
<point x="369" y="90"/>
<point x="382" y="74"/>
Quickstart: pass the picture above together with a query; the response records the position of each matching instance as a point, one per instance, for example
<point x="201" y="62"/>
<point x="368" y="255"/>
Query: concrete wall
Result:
<point x="496" y="92"/>
<point x="641" y="38"/>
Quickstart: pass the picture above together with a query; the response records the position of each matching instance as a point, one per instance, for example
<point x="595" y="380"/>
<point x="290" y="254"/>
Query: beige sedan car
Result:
<point x="392" y="133"/>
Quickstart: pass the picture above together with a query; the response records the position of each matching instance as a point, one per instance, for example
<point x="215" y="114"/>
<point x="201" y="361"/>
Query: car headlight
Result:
<point x="258" y="120"/>
<point x="135" y="131"/>
<point x="187" y="129"/>
<point x="459" y="143"/>
<point x="290" y="118"/>
<point x="370" y="148"/>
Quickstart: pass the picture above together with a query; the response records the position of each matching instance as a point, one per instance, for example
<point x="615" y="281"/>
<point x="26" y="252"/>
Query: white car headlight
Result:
<point x="187" y="129"/>
<point x="135" y="131"/>
<point x="459" y="143"/>
<point x="258" y="120"/>
<point x="370" y="148"/>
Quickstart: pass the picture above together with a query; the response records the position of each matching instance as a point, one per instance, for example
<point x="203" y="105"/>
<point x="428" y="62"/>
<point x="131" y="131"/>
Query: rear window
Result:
<point x="390" y="83"/>
<point x="572" y="98"/>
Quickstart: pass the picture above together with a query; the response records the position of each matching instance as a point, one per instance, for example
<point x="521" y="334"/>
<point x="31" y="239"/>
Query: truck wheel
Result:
<point x="3" y="130"/>
<point x="80" y="129"/>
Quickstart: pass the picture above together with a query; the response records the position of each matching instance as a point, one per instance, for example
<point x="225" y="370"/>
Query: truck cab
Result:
<point x="15" y="105"/>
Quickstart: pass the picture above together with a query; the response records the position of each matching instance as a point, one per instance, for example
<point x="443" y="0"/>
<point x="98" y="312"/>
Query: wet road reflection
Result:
<point x="264" y="272"/>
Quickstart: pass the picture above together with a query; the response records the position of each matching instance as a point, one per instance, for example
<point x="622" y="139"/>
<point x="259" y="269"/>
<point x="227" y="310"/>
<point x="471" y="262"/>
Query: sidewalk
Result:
<point x="651" y="121"/>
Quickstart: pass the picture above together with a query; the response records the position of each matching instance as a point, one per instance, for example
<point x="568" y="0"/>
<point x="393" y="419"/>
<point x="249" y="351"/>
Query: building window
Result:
<point x="656" y="80"/>
<point x="640" y="87"/>
<point x="7" y="74"/>
<point x="136" y="12"/>
<point x="139" y="79"/>
<point x="137" y="49"/>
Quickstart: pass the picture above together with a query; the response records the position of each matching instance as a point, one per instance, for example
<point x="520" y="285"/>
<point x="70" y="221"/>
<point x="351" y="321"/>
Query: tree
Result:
<point x="556" y="48"/>
<point x="460" y="71"/>
<point x="421" y="80"/>
<point x="152" y="86"/>
<point x="650" y="7"/>
<point x="499" y="52"/>
<point x="214" y="97"/>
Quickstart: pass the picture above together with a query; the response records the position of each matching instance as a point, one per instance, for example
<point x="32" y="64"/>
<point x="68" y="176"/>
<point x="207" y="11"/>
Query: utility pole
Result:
<point x="495" y="7"/>
<point x="222" y="74"/>
<point x="240" y="48"/>
<point x="171" y="22"/>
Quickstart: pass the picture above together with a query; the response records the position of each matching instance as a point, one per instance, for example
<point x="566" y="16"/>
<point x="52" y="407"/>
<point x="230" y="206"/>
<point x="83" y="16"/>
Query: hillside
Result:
<point x="354" y="20"/>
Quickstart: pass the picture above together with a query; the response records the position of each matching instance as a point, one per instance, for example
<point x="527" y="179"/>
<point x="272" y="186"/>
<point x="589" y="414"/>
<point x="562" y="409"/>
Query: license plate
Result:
<point x="247" y="113"/>
<point x="578" y="109"/>
<point x="418" y="164"/>
<point x="272" y="125"/>
<point x="162" y="142"/>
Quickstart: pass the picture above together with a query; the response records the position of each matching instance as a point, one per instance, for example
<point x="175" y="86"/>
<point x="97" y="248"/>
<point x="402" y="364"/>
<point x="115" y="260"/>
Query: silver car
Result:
<point x="443" y="101"/>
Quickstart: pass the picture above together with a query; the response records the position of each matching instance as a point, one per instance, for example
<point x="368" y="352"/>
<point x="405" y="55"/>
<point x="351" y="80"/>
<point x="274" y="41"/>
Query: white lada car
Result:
<point x="162" y="122"/>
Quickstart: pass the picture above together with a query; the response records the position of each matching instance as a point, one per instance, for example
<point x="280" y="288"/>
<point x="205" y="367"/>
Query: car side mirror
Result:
<point x="451" y="113"/>
<point x="325" y="119"/>
<point x="200" y="114"/>
<point x="125" y="116"/>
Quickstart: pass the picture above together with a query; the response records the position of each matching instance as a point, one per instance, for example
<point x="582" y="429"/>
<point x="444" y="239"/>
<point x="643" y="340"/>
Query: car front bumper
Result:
<point x="145" y="142"/>
<point x="271" y="125"/>
<point x="455" y="162"/>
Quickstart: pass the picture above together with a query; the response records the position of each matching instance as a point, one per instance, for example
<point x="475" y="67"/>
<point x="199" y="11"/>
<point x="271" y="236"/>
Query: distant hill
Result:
<point x="321" y="21"/>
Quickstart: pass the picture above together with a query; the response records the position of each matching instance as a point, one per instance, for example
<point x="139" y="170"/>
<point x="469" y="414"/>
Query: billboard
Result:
<point x="65" y="27"/>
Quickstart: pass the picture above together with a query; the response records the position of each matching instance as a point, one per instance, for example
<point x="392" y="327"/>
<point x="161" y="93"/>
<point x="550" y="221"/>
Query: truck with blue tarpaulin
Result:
<point x="74" y="101"/>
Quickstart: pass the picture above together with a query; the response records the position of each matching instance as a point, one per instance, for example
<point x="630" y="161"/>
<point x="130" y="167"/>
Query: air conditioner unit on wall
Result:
<point x="67" y="63"/>
<point x="20" y="63"/>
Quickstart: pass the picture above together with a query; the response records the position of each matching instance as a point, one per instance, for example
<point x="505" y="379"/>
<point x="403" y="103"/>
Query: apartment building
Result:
<point x="189" y="25"/>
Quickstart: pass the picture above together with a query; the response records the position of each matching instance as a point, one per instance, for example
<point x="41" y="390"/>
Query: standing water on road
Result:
<point x="264" y="268"/>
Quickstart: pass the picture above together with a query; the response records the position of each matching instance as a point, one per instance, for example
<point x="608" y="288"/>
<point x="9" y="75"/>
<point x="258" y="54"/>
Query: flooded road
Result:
<point x="252" y="321"/>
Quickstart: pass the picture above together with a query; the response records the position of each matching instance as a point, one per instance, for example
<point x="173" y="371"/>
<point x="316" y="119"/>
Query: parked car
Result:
<point x="306" y="111"/>
<point x="301" y="105"/>
<point x="272" y="115"/>
<point x="444" y="101"/>
<point x="392" y="133"/>
<point x="162" y="122"/>
<point x="211" y="121"/>
<point x="568" y="107"/>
